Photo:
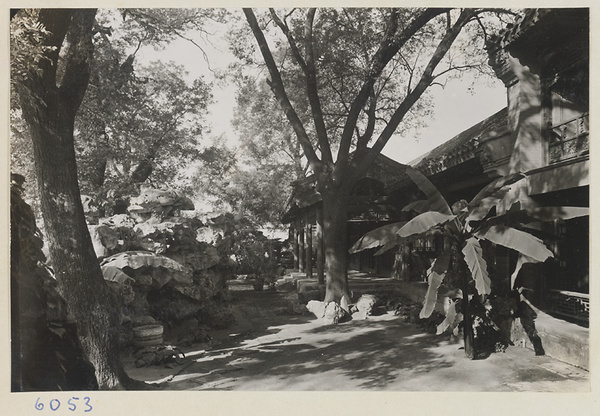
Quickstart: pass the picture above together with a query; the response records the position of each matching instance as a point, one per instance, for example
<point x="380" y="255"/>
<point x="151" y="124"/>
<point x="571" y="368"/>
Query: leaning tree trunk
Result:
<point x="335" y="238"/>
<point x="90" y="302"/>
<point x="49" y="111"/>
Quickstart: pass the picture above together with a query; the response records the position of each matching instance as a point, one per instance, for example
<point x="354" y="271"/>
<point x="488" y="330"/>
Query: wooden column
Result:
<point x="320" y="252"/>
<point x="308" y="252"/>
<point x="301" y="258"/>
<point x="405" y="273"/>
<point x="296" y="236"/>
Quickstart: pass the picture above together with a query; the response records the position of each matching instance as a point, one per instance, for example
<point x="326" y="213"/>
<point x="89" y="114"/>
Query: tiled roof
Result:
<point x="463" y="146"/>
<point x="514" y="31"/>
<point x="384" y="169"/>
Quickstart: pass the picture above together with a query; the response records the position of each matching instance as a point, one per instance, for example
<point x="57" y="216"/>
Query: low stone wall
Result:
<point x="309" y="289"/>
<point x="561" y="340"/>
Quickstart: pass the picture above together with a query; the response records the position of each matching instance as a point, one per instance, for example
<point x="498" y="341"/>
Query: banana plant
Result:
<point x="501" y="213"/>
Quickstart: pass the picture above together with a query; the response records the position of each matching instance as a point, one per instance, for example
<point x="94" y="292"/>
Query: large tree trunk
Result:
<point x="335" y="237"/>
<point x="90" y="302"/>
<point x="50" y="114"/>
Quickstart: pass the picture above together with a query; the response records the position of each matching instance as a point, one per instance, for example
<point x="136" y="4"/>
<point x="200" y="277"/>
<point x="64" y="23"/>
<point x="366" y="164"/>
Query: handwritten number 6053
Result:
<point x="55" y="404"/>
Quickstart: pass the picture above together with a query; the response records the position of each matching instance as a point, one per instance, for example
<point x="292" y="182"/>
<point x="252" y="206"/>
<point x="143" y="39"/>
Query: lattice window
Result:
<point x="569" y="139"/>
<point x="571" y="304"/>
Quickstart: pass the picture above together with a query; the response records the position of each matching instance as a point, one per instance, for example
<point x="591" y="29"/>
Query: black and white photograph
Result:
<point x="339" y="199"/>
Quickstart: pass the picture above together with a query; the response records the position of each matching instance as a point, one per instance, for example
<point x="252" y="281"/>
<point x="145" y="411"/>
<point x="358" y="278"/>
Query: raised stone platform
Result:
<point x="561" y="340"/>
<point x="360" y="284"/>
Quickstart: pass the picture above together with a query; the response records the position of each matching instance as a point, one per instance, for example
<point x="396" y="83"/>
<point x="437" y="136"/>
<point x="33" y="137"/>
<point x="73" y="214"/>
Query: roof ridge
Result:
<point x="463" y="140"/>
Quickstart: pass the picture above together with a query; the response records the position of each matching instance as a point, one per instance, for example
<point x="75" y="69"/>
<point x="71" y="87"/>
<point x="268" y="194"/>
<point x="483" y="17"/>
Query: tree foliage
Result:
<point x="138" y="122"/>
<point x="252" y="178"/>
<point x="346" y="71"/>
<point x="270" y="158"/>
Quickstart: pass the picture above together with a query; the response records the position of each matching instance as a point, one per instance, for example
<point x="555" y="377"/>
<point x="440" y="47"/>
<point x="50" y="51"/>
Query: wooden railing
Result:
<point x="569" y="139"/>
<point x="570" y="304"/>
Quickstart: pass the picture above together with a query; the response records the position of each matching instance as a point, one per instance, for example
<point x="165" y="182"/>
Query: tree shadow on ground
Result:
<point x="271" y="348"/>
<point x="371" y="353"/>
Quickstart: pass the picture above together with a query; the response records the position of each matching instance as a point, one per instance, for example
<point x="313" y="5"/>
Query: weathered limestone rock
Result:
<point x="203" y="257"/>
<point x="158" y="204"/>
<point x="316" y="307"/>
<point x="118" y="221"/>
<point x="335" y="314"/>
<point x="155" y="355"/>
<point x="160" y="262"/>
<point x="190" y="331"/>
<point x="330" y="313"/>
<point x="364" y="307"/>
<point x="104" y="239"/>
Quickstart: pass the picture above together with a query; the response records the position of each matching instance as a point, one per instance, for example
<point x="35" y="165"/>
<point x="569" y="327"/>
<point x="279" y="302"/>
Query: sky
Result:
<point x="455" y="107"/>
<point x="455" y="110"/>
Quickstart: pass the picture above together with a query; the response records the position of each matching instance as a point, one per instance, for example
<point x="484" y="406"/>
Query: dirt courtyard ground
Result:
<point x="270" y="349"/>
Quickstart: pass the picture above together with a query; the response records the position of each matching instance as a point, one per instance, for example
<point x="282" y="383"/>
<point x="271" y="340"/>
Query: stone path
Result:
<point x="270" y="349"/>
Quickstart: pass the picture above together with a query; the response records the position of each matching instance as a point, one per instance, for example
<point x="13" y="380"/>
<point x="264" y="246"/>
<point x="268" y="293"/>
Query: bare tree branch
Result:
<point x="278" y="88"/>
<point x="312" y="90"/>
<point x="391" y="43"/>
<point x="291" y="41"/>
<point x="424" y="82"/>
<point x="455" y="68"/>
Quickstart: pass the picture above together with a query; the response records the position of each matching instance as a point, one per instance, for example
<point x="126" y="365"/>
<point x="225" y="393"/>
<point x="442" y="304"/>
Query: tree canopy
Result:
<point x="348" y="80"/>
<point x="138" y="122"/>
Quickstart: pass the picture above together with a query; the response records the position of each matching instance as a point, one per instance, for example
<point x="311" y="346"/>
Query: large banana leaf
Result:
<point x="434" y="197"/>
<point x="517" y="240"/>
<point x="385" y="248"/>
<point x="477" y="265"/>
<point x="450" y="309"/>
<point x="495" y="186"/>
<point x="520" y="262"/>
<point x="515" y="199"/>
<point x="419" y="206"/>
<point x="424" y="222"/>
<point x="382" y="236"/>
<point x="436" y="275"/>
<point x="479" y="211"/>
<point x="430" y="233"/>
